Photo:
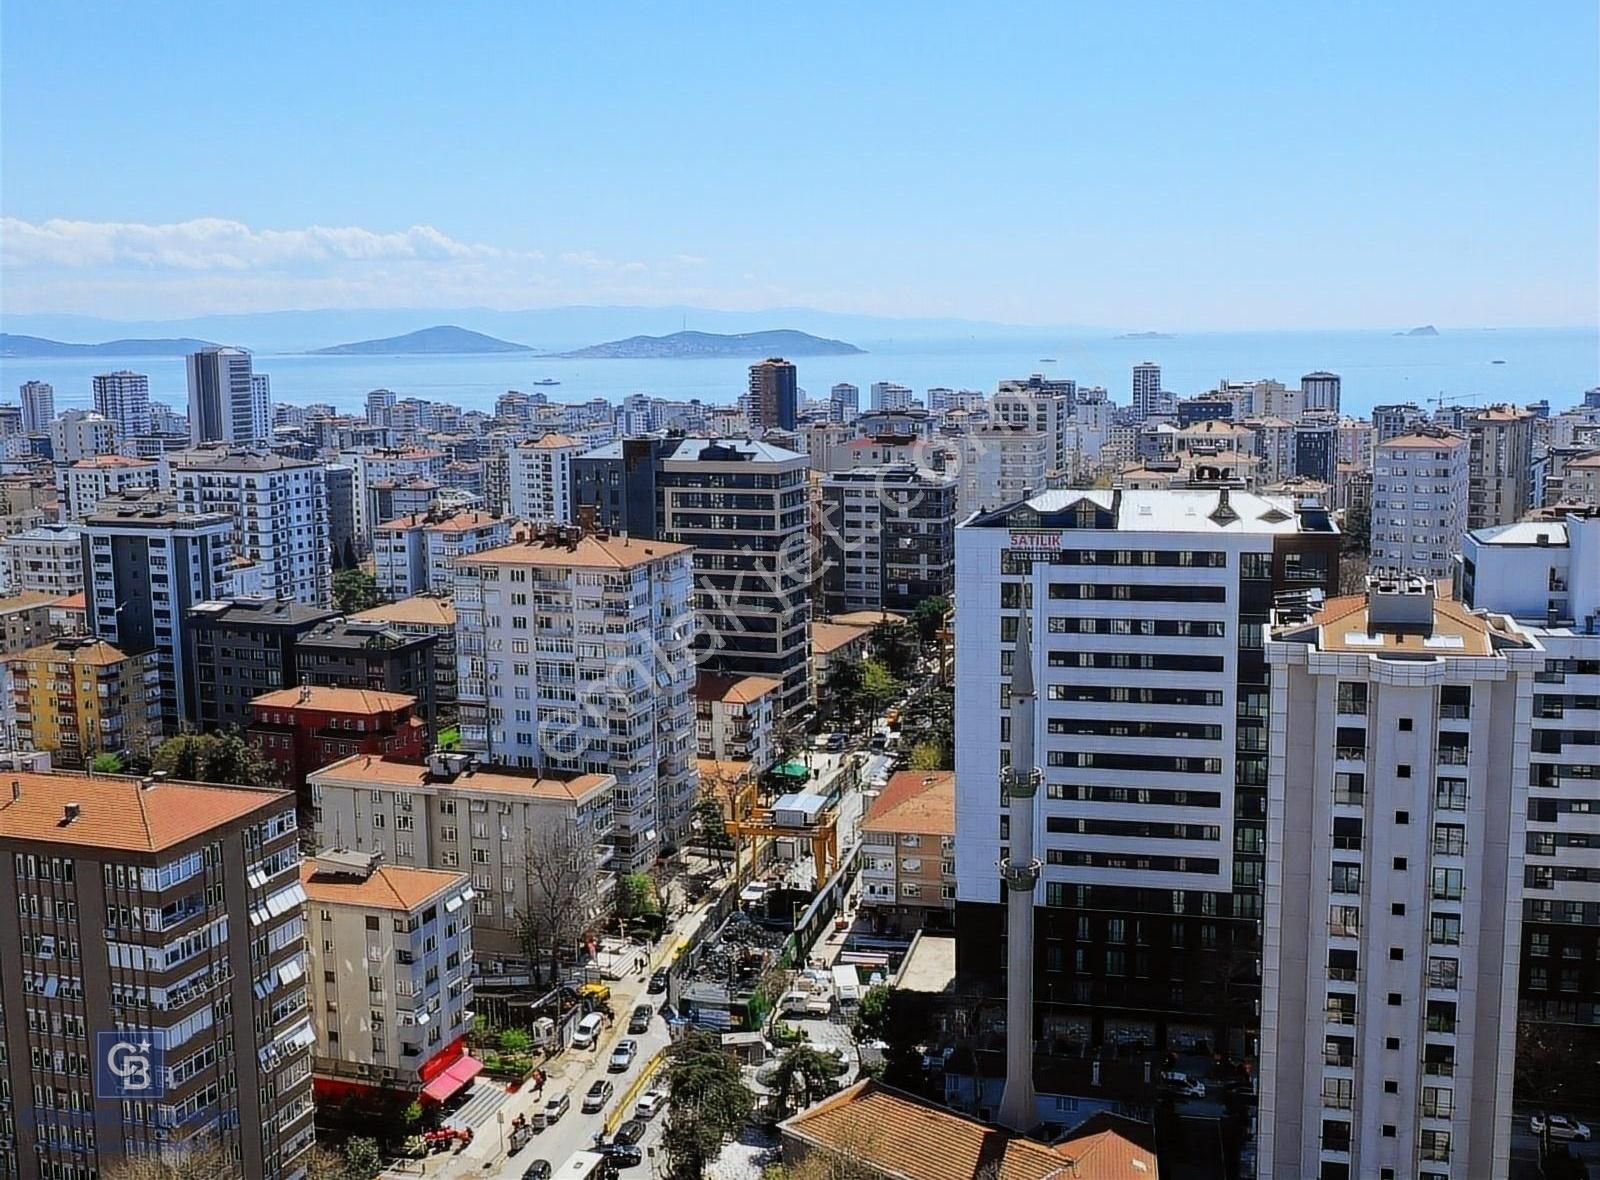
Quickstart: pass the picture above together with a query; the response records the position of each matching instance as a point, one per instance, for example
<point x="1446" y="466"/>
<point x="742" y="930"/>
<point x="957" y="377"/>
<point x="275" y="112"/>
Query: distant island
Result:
<point x="443" y="339"/>
<point x="1425" y="330"/>
<point x="1146" y="336"/>
<point x="11" y="345"/>
<point x="681" y="345"/>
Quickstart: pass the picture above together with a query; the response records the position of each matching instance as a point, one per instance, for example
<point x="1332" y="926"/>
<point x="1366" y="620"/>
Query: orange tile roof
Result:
<point x="67" y="650"/>
<point x="733" y="690"/>
<point x="551" y="441"/>
<point x="1343" y="618"/>
<point x="1423" y="442"/>
<point x="429" y="609"/>
<point x="78" y="601"/>
<point x="459" y="523"/>
<point x="116" y="814"/>
<point x="868" y="618"/>
<point x="905" y="1138"/>
<point x="390" y="887"/>
<point x="728" y="771"/>
<point x="364" y="769"/>
<point x="590" y="551"/>
<point x="1110" y="1145"/>
<point x="27" y="599"/>
<point x="830" y="637"/>
<point x="365" y="701"/>
<point x="920" y="801"/>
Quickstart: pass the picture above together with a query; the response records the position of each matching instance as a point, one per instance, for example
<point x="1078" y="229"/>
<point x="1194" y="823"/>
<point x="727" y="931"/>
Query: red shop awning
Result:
<point x="456" y="1075"/>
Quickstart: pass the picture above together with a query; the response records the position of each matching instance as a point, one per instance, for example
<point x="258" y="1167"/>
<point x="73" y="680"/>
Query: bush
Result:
<point x="515" y="1040"/>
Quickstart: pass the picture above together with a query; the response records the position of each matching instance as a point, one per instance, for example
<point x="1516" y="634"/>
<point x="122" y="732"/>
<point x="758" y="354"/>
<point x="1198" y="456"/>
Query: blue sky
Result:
<point x="1139" y="164"/>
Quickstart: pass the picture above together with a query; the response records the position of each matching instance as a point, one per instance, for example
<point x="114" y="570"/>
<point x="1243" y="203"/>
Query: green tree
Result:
<point x="637" y="896"/>
<point x="362" y="1159"/>
<point x="1356" y="530"/>
<point x="804" y="1075"/>
<point x="894" y="645"/>
<point x="929" y="617"/>
<point x="709" y="1100"/>
<point x="900" y="1020"/>
<point x="107" y="764"/>
<point x="713" y="829"/>
<point x="214" y="758"/>
<point x="515" y="1040"/>
<point x="355" y="590"/>
<point x="878" y="688"/>
<point x="927" y="756"/>
<point x="844" y="691"/>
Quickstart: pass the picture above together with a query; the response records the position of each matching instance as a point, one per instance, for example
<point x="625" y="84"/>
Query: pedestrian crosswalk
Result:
<point x="486" y="1098"/>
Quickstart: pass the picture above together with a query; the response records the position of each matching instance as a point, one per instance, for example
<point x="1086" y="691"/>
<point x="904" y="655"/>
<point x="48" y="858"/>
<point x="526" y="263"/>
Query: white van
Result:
<point x="588" y="1031"/>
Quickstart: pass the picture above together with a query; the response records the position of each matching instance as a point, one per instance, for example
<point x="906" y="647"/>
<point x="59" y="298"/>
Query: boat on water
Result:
<point x="547" y="381"/>
<point x="1497" y="362"/>
<point x="1047" y="360"/>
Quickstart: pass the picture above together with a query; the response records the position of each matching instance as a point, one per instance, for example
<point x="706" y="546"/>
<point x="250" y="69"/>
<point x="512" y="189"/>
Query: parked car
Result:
<point x="640" y="1020"/>
<point x="836" y="742"/>
<point x="658" y="981"/>
<point x="630" y="1132"/>
<point x="1186" y="1086"/>
<point x="622" y="1056"/>
<point x="651" y="1103"/>
<point x="597" y="1097"/>
<point x="621" y="1155"/>
<point x="537" y="1170"/>
<point x="587" y="1034"/>
<point x="1560" y="1126"/>
<point x="553" y="1110"/>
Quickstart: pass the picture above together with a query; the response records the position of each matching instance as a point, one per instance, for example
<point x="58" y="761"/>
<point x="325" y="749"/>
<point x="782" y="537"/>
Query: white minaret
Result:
<point x="1019" y="877"/>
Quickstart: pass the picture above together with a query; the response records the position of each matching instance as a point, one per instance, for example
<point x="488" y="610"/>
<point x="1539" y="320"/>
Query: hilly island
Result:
<point x="443" y="339"/>
<point x="681" y="345"/>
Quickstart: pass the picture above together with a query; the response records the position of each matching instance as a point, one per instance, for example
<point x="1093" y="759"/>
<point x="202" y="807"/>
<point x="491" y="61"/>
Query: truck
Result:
<point x="847" y="986"/>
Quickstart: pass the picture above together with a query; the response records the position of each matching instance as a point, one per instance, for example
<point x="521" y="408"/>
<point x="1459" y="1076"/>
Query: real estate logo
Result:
<point x="130" y="1063"/>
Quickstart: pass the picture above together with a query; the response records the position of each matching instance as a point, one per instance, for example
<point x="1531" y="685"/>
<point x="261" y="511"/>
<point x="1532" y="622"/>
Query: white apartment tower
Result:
<point x="81" y="434"/>
<point x="82" y="485"/>
<point x="844" y="402"/>
<point x="124" y="398"/>
<point x="417" y="554"/>
<point x="280" y="511"/>
<point x="1319" y="392"/>
<point x="1146" y="389"/>
<point x="38" y="406"/>
<point x="1419" y="503"/>
<point x="541" y="479"/>
<point x="574" y="655"/>
<point x="1001" y="464"/>
<point x="224" y="404"/>
<point x="886" y="395"/>
<point x="1397" y="807"/>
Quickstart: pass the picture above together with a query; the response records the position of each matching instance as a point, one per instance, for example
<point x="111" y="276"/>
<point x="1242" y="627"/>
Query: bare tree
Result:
<point x="204" y="1160"/>
<point x="562" y="893"/>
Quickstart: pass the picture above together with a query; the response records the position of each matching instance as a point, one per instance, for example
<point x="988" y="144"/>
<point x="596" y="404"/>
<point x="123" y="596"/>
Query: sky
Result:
<point x="1144" y="165"/>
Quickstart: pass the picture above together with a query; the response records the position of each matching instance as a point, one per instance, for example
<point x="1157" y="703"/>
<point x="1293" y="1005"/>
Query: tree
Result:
<point x="205" y="1159"/>
<point x="637" y="896"/>
<point x="1356" y="530"/>
<point x="900" y="1020"/>
<point x="362" y="1159"/>
<point x="107" y="764"/>
<point x="929" y="617"/>
<point x="355" y="590"/>
<point x="927" y="756"/>
<point x="804" y="1075"/>
<point x="515" y="1040"/>
<point x="713" y="828"/>
<point x="878" y="687"/>
<point x="844" y="691"/>
<point x="708" y="1101"/>
<point x="894" y="645"/>
<point x="214" y="758"/>
<point x="562" y="895"/>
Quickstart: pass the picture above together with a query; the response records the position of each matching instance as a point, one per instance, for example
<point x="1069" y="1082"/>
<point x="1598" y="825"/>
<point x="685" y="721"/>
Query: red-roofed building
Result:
<point x="908" y="853"/>
<point x="416" y="554"/>
<point x="304" y="729"/>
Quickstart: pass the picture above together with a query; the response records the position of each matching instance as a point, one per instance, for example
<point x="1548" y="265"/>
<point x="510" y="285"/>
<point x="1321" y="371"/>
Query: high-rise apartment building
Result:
<point x="408" y="931"/>
<point x="1319" y="392"/>
<point x="497" y="824"/>
<point x="389" y="467"/>
<point x="774" y="394"/>
<point x="47" y="558"/>
<point x="888" y="538"/>
<point x="380" y="402"/>
<point x="426" y="614"/>
<point x="1391" y="421"/>
<point x="1545" y="575"/>
<point x="1397" y="799"/>
<point x="844" y="402"/>
<point x="574" y="655"/>
<point x="38" y="406"/>
<point x="241" y="649"/>
<point x="78" y="698"/>
<point x="742" y="505"/>
<point x="1147" y="389"/>
<point x="417" y="555"/>
<point x="161" y="924"/>
<point x="147" y="563"/>
<point x="345" y="653"/>
<point x="1419" y="503"/>
<point x="279" y="509"/>
<point x="81" y="434"/>
<point x="1500" y="465"/>
<point x="1148" y="616"/>
<point x="224" y="405"/>
<point x="886" y="395"/>
<point x="82" y="485"/>
<point x="1000" y="465"/>
<point x="124" y="398"/>
<point x="1046" y="412"/>
<point x="541" y="479"/>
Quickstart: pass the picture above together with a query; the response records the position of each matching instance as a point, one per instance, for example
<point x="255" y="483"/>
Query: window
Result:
<point x="1338" y="1093"/>
<point x="1435" y="1146"/>
<point x="1353" y="697"/>
<point x="1447" y="884"/>
<point x="1346" y="878"/>
<point x="1450" y="794"/>
<point x="1402" y="817"/>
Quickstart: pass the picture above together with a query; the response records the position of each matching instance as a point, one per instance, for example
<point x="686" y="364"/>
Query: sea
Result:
<point x="1520" y="365"/>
